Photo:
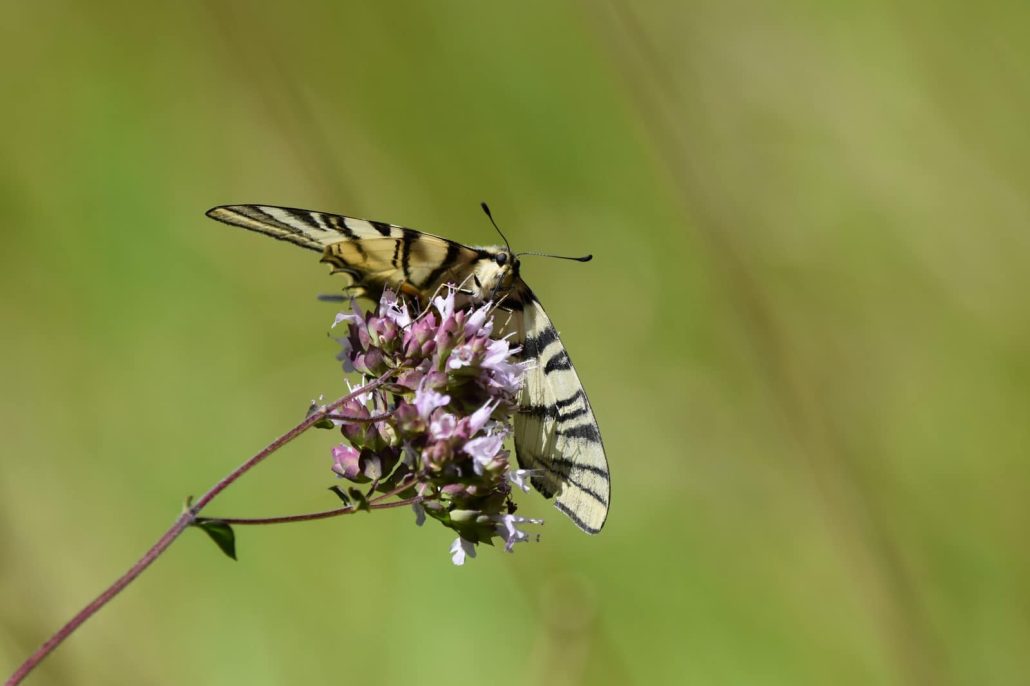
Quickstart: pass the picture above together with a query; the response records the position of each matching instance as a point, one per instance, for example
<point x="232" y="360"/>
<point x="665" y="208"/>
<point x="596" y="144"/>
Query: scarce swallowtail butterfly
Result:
<point x="556" y="434"/>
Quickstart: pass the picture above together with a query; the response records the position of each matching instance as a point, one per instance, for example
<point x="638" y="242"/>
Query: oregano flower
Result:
<point x="436" y="429"/>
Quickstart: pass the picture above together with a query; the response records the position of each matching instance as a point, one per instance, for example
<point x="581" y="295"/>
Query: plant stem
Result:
<point x="308" y="517"/>
<point x="373" y="504"/>
<point x="360" y="420"/>
<point x="183" y="521"/>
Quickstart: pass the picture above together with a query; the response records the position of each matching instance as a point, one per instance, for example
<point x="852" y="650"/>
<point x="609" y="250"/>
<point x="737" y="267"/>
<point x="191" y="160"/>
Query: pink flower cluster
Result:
<point x="440" y="422"/>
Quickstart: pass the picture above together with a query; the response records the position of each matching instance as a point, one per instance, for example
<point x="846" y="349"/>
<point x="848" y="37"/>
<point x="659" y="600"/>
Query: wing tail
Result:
<point x="312" y="230"/>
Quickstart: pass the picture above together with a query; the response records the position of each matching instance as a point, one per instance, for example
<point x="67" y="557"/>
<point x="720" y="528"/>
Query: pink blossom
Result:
<point x="443" y="426"/>
<point x="346" y="461"/>
<point x="427" y="400"/>
<point x="483" y="450"/>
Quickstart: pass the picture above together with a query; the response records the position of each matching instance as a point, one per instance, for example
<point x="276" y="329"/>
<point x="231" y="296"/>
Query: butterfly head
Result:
<point x="494" y="274"/>
<point x="506" y="261"/>
<point x="497" y="270"/>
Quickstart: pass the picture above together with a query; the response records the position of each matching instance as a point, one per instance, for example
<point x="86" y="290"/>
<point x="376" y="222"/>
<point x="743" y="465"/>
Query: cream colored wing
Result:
<point x="374" y="254"/>
<point x="555" y="430"/>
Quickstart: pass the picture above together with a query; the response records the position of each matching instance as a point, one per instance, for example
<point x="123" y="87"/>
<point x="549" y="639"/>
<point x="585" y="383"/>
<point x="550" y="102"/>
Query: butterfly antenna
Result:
<point x="584" y="258"/>
<point x="486" y="208"/>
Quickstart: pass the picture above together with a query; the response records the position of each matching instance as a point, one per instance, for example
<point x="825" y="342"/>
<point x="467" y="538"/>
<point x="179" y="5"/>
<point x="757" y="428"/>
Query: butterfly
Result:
<point x="556" y="435"/>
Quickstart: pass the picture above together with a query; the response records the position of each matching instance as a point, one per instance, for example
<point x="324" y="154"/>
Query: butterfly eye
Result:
<point x="501" y="258"/>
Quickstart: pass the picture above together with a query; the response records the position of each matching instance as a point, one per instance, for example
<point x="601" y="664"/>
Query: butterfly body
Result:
<point x="556" y="434"/>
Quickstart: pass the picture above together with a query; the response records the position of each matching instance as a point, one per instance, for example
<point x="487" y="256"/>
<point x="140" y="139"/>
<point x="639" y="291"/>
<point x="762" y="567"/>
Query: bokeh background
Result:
<point x="805" y="334"/>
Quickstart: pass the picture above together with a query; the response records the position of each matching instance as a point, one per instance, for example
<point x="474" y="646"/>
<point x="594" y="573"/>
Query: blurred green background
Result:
<point x="805" y="334"/>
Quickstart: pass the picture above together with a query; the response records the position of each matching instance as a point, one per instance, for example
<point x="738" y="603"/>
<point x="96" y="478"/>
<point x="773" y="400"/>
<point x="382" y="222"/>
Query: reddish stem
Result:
<point x="311" y="516"/>
<point x="373" y="504"/>
<point x="181" y="523"/>
<point x="361" y="420"/>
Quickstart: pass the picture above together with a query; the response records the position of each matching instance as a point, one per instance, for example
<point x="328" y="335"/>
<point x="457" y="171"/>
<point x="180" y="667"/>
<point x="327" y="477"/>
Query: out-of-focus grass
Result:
<point x="805" y="334"/>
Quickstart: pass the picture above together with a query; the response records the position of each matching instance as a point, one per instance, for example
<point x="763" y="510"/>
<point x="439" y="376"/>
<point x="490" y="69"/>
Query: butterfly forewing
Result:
<point x="556" y="434"/>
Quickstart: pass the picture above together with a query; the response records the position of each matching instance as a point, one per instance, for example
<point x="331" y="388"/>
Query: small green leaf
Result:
<point x="399" y="474"/>
<point x="221" y="533"/>
<point x="324" y="423"/>
<point x="360" y="501"/>
<point x="340" y="494"/>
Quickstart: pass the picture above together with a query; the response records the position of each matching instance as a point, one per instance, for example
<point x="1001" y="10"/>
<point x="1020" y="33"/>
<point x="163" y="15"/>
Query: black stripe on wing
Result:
<point x="565" y="469"/>
<point x="558" y="362"/>
<point x="338" y="223"/>
<point x="534" y="346"/>
<point x="408" y="238"/>
<point x="304" y="217"/>
<point x="576" y="519"/>
<point x="449" y="261"/>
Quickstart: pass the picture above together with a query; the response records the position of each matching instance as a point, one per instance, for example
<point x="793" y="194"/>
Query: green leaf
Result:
<point x="221" y="533"/>
<point x="324" y="423"/>
<point x="359" y="499"/>
<point x="340" y="494"/>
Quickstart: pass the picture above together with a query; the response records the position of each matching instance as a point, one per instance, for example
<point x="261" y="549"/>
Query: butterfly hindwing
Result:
<point x="375" y="254"/>
<point x="555" y="430"/>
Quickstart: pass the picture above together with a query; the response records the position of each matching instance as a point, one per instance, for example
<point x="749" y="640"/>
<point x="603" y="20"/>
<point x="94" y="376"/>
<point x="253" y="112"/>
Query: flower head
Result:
<point x="436" y="429"/>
